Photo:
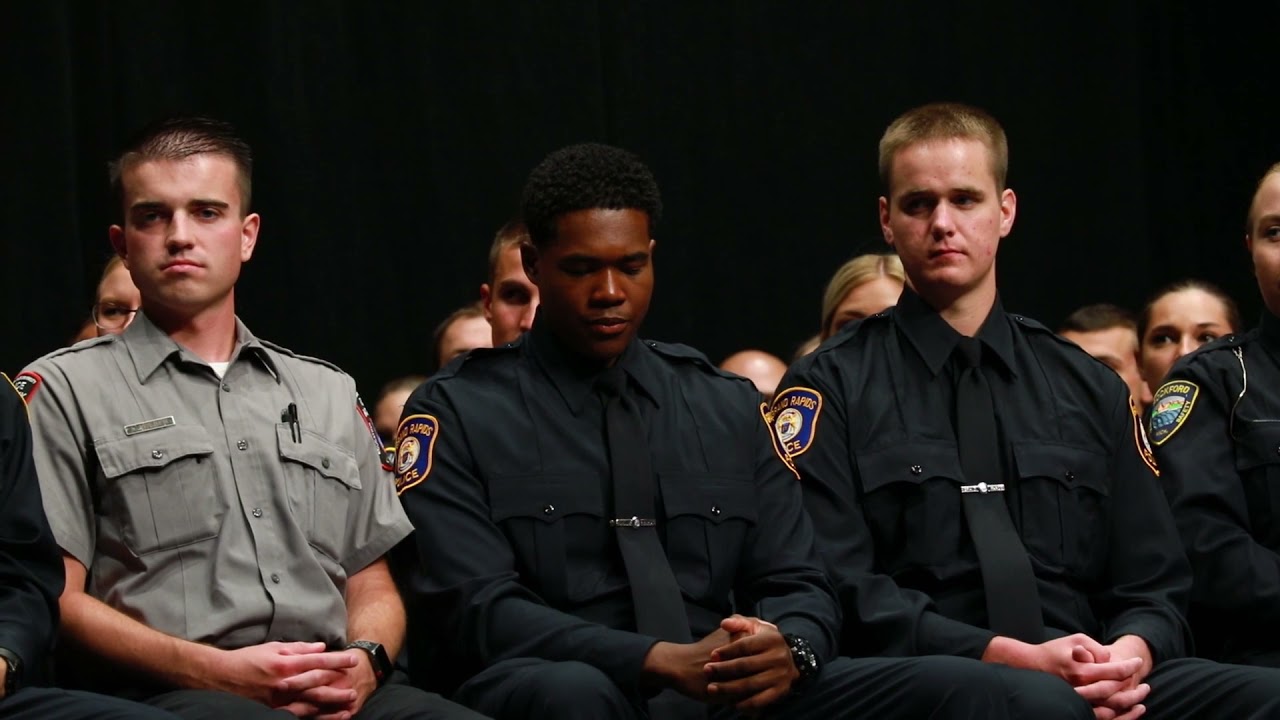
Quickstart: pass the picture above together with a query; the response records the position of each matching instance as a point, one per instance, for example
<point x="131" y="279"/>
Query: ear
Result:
<point x="486" y="297"/>
<point x="652" y="244"/>
<point x="1248" y="242"/>
<point x="1008" y="211"/>
<point x="249" y="236"/>
<point x="115" y="234"/>
<point x="529" y="259"/>
<point x="884" y="220"/>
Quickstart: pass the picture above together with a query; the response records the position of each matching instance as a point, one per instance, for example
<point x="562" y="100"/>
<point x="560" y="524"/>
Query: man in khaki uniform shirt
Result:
<point x="220" y="501"/>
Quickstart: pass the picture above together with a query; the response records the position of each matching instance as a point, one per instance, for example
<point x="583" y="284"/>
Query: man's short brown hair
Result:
<point x="1098" y="317"/>
<point x="945" y="121"/>
<point x="179" y="138"/>
<point x="513" y="234"/>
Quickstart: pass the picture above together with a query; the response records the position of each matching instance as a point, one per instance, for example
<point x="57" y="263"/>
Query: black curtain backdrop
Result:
<point x="393" y="138"/>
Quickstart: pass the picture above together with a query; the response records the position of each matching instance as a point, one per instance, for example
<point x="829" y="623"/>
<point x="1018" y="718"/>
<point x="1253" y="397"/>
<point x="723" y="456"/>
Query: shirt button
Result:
<point x="1278" y="449"/>
<point x="715" y="510"/>
<point x="548" y="509"/>
<point x="157" y="454"/>
<point x="325" y="463"/>
<point x="242" y="444"/>
<point x="257" y="512"/>
<point x="226" y="387"/>
<point x="916" y="470"/>
<point x="275" y="578"/>
<point x="1071" y="477"/>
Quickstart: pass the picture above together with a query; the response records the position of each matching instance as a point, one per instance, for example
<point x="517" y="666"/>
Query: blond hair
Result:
<point x="850" y="275"/>
<point x="945" y="121"/>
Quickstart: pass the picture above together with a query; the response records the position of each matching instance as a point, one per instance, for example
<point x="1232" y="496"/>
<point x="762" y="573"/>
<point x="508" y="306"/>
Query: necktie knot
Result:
<point x="970" y="349"/>
<point x="611" y="383"/>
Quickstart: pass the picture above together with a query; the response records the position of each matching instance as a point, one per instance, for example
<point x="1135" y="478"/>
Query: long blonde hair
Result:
<point x="850" y="275"/>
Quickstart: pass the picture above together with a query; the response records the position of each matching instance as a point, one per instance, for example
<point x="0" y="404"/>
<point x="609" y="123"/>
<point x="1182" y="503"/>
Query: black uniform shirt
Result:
<point x="881" y="475"/>
<point x="503" y="469"/>
<point x="1219" y="453"/>
<point x="31" y="573"/>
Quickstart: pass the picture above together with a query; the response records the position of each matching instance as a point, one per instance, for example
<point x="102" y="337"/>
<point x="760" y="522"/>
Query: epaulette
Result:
<point x="306" y="358"/>
<point x="850" y="330"/>
<point x="678" y="351"/>
<point x="82" y="345"/>
<point x="479" y="356"/>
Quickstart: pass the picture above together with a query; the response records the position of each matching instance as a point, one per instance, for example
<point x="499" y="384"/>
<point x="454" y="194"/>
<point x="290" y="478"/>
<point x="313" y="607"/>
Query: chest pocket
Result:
<point x="1065" y="495"/>
<point x="707" y="518"/>
<point x="162" y="487"/>
<point x="1258" y="462"/>
<point x="911" y="503"/>
<point x="558" y="531"/>
<point x="322" y="480"/>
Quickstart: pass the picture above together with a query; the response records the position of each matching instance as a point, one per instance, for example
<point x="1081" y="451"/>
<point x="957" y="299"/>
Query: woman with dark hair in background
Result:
<point x="1179" y="318"/>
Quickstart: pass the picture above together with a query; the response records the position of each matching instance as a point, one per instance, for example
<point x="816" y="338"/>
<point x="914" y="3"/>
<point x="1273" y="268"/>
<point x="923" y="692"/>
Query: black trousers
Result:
<point x="56" y="704"/>
<point x="925" y="687"/>
<point x="1206" y="690"/>
<point x="389" y="702"/>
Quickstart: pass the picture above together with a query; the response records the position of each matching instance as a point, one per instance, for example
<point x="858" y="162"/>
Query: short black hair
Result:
<point x="178" y="138"/>
<point x="586" y="177"/>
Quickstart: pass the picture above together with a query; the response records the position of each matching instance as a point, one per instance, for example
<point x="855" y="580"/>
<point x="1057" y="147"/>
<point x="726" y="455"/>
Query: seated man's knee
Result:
<point x="556" y="685"/>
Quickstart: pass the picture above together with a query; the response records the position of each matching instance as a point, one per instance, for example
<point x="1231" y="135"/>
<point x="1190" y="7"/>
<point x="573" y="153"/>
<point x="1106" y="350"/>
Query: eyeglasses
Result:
<point x="110" y="316"/>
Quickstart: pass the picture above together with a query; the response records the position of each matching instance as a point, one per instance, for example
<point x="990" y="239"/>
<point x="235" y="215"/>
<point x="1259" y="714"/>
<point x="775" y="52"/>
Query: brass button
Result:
<point x="916" y="470"/>
<point x="257" y="512"/>
<point x="157" y="454"/>
<point x="715" y="510"/>
<point x="242" y="444"/>
<point x="548" y="509"/>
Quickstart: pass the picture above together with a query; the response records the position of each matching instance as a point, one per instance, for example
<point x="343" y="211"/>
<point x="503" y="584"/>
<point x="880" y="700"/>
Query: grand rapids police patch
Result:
<point x="1170" y="408"/>
<point x="415" y="448"/>
<point x="795" y="418"/>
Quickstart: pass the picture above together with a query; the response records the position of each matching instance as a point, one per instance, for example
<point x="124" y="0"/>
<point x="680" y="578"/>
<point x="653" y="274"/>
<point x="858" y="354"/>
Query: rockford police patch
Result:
<point x="1170" y="408"/>
<point x="26" y="383"/>
<point x="1140" y="438"/>
<point x="415" y="446"/>
<point x="795" y="418"/>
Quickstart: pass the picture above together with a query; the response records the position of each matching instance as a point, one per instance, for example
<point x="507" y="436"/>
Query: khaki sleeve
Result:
<point x="376" y="519"/>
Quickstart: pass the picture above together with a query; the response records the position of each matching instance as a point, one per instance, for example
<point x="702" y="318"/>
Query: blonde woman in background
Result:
<point x="861" y="287"/>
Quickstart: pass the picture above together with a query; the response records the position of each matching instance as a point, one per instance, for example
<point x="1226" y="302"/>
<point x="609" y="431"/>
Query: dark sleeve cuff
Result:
<point x="812" y="632"/>
<point x="1155" y="634"/>
<point x="940" y="635"/>
<point x="622" y="659"/>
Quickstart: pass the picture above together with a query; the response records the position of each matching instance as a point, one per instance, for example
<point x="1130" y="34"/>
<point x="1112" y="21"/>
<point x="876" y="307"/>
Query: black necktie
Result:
<point x="659" y="607"/>
<point x="1013" y="602"/>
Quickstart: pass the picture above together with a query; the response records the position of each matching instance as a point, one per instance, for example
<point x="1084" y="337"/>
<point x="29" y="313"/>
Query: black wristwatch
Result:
<point x="12" y="679"/>
<point x="806" y="660"/>
<point x="382" y="666"/>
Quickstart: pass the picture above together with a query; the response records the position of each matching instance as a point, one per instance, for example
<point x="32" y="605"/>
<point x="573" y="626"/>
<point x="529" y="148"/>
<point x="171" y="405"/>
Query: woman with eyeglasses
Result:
<point x="117" y="299"/>
<point x="1215" y="425"/>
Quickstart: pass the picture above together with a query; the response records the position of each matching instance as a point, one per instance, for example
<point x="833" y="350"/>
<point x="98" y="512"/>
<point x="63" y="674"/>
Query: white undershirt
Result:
<point x="220" y="368"/>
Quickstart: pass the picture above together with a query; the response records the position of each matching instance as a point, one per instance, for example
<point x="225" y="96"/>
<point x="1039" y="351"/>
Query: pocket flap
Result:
<point x="1259" y="445"/>
<point x="911" y="462"/>
<point x="714" y="497"/>
<point x="152" y="450"/>
<point x="544" y="497"/>
<point x="1072" y="466"/>
<point x="319" y="454"/>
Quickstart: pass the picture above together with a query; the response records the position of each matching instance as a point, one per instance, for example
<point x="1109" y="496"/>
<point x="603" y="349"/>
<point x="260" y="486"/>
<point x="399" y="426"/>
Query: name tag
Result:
<point x="982" y="488"/>
<point x="149" y="425"/>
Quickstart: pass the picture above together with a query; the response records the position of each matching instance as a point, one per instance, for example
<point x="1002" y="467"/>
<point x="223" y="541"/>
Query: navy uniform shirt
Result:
<point x="503" y="469"/>
<point x="1219" y="454"/>
<point x="31" y="575"/>
<point x="867" y="419"/>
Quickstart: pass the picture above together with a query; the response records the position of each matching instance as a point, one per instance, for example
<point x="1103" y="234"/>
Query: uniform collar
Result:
<point x="575" y="379"/>
<point x="150" y="347"/>
<point x="935" y="340"/>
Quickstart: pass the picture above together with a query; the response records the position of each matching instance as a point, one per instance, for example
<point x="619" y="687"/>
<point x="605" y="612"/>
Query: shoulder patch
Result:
<point x="1170" y="408"/>
<point x="363" y="412"/>
<point x="415" y="448"/>
<point x="795" y="418"/>
<point x="767" y="414"/>
<point x="1140" y="438"/>
<point x="27" y="383"/>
